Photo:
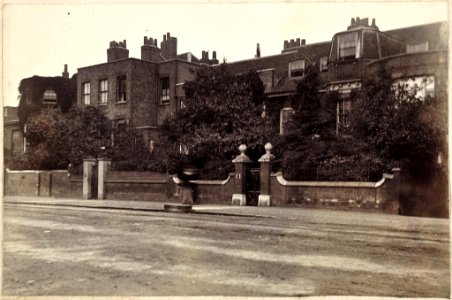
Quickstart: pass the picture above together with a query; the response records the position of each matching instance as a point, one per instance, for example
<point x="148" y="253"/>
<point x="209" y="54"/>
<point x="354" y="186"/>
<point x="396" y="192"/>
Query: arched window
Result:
<point x="49" y="97"/>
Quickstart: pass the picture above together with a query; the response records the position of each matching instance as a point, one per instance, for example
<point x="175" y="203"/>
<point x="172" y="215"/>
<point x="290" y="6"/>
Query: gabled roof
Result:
<point x="434" y="33"/>
<point x="184" y="56"/>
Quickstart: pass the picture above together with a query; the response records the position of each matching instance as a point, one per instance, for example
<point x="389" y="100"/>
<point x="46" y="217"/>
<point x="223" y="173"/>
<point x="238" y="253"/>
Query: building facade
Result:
<point x="141" y="93"/>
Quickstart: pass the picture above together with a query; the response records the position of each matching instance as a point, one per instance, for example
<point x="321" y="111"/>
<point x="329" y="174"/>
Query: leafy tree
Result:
<point x="56" y="139"/>
<point x="404" y="130"/>
<point x="221" y="112"/>
<point x="310" y="130"/>
<point x="401" y="128"/>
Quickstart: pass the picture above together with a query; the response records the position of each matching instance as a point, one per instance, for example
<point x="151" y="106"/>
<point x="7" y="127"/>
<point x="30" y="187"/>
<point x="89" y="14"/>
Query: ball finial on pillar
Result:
<point x="242" y="149"/>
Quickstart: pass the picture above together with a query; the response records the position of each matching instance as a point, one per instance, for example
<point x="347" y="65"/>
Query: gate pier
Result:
<point x="240" y="163"/>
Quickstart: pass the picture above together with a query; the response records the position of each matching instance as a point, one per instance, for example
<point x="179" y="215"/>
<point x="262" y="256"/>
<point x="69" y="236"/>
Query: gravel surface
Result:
<point x="68" y="251"/>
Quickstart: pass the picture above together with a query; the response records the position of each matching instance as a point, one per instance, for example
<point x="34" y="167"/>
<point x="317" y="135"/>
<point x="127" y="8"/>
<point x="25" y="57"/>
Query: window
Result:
<point x="15" y="144"/>
<point x="417" y="47"/>
<point x="419" y="86"/>
<point x="86" y="95"/>
<point x="324" y="64"/>
<point x="121" y="125"/>
<point x="348" y="46"/>
<point x="296" y="68"/>
<point x="103" y="91"/>
<point x="50" y="97"/>
<point x="343" y="112"/>
<point x="122" y="89"/>
<point x="285" y="117"/>
<point x="151" y="146"/>
<point x="165" y="90"/>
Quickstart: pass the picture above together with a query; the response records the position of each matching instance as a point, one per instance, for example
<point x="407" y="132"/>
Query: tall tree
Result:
<point x="221" y="112"/>
<point x="400" y="127"/>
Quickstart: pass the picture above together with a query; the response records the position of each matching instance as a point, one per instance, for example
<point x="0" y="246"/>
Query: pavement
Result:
<point x="140" y="205"/>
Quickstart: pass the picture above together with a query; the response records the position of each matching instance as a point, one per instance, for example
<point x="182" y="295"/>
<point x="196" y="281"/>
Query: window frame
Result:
<point x="164" y="94"/>
<point x="103" y="93"/>
<point x="49" y="97"/>
<point x="285" y="116"/>
<point x="121" y="95"/>
<point x="341" y="40"/>
<point x="15" y="141"/>
<point x="292" y="69"/>
<point x="86" y="93"/>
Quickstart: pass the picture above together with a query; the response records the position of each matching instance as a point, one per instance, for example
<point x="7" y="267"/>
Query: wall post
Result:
<point x="239" y="195"/>
<point x="88" y="166"/>
<point x="265" y="171"/>
<point x="103" y="169"/>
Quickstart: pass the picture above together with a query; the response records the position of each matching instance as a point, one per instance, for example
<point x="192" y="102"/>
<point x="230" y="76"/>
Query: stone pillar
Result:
<point x="239" y="196"/>
<point x="102" y="173"/>
<point x="265" y="193"/>
<point x="88" y="166"/>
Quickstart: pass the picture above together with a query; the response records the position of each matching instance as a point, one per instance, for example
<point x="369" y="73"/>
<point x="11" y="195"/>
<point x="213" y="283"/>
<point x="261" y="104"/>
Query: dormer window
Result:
<point x="50" y="97"/>
<point x="348" y="46"/>
<point x="296" y="68"/>
<point x="421" y="47"/>
<point x="323" y="64"/>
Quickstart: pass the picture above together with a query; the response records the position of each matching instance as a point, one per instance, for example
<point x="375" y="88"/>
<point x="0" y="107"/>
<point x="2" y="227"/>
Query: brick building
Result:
<point x="141" y="93"/>
<point x="13" y="141"/>
<point x="410" y="54"/>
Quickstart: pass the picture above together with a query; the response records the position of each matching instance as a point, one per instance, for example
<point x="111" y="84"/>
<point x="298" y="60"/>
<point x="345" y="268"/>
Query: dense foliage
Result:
<point x="402" y="129"/>
<point x="310" y="149"/>
<point x="221" y="112"/>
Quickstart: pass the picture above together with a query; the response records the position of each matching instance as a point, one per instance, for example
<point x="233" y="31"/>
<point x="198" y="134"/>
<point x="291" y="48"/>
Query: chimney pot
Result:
<point x="303" y="42"/>
<point x="286" y="44"/>
<point x="214" y="54"/>
<point x="164" y="37"/>
<point x="373" y="22"/>
<point x="352" y="22"/>
<point x="168" y="35"/>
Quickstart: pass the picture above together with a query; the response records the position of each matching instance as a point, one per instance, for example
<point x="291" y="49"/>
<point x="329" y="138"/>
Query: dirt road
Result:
<point x="52" y="251"/>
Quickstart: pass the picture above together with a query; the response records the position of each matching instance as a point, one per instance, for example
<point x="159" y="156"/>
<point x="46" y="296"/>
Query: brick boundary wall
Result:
<point x="210" y="191"/>
<point x="380" y="196"/>
<point x="37" y="183"/>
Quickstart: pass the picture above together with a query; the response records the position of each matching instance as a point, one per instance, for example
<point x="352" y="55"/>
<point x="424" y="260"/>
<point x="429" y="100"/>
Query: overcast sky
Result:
<point x="40" y="39"/>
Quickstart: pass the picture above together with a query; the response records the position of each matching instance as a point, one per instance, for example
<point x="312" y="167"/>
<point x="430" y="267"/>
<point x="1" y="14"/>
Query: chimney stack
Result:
<point x="65" y="73"/>
<point x="169" y="46"/>
<point x="150" y="51"/>
<point x="258" y="51"/>
<point x="117" y="51"/>
<point x="214" y="60"/>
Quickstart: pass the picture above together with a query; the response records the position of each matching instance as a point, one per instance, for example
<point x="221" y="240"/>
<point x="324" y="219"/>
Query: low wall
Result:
<point x="381" y="195"/>
<point x="143" y="186"/>
<point x="212" y="191"/>
<point x="56" y="183"/>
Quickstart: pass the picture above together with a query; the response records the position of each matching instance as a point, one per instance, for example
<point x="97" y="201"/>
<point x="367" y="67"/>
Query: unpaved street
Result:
<point x="57" y="251"/>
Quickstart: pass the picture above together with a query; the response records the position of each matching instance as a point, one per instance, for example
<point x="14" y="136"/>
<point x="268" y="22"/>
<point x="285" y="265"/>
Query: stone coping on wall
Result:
<point x="203" y="182"/>
<point x="136" y="181"/>
<point x="351" y="184"/>
<point x="35" y="171"/>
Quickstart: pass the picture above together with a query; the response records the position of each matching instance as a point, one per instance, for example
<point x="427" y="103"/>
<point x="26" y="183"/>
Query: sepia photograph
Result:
<point x="225" y="149"/>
